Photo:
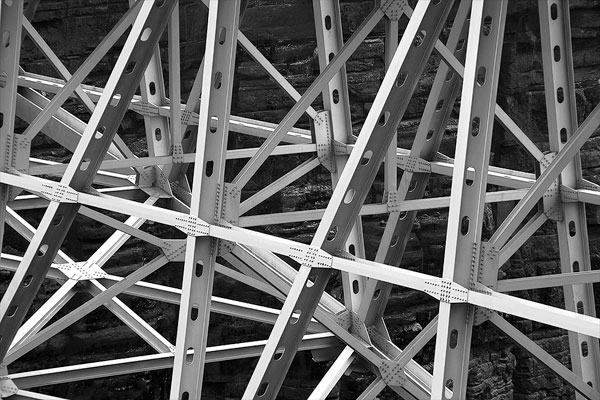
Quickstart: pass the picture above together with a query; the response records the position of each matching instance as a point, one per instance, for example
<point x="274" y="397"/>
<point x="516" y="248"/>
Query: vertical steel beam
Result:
<point x="86" y="160"/>
<point x="467" y="200"/>
<point x="207" y="198"/>
<point x="328" y="25"/>
<point x="347" y="199"/>
<point x="555" y="29"/>
<point x="11" y="16"/>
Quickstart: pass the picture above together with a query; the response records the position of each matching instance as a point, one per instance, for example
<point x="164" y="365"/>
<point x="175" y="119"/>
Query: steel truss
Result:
<point x="104" y="174"/>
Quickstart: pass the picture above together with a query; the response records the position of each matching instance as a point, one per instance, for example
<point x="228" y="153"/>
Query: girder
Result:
<point x="203" y="211"/>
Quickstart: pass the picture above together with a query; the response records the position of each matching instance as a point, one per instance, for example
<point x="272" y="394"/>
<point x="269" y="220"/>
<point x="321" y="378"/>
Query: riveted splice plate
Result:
<point x="447" y="291"/>
<point x="192" y="226"/>
<point x="7" y="387"/>
<point x="324" y="139"/>
<point x="230" y="213"/>
<point x="174" y="249"/>
<point x="413" y="164"/>
<point x="81" y="271"/>
<point x="310" y="256"/>
<point x="393" y="9"/>
<point x="392" y="373"/>
<point x="552" y="198"/>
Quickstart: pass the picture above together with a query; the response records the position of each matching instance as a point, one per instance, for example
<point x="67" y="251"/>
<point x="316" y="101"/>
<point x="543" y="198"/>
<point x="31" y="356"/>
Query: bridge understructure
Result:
<point x="221" y="235"/>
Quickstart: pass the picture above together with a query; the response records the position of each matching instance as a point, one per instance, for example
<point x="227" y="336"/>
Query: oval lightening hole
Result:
<point x="429" y="134"/>
<point x="336" y="96"/>
<point x="475" y="126"/>
<point x="563" y="135"/>
<point x="199" y="269"/>
<point x="401" y="80"/>
<point x="115" y="100"/>
<point x="376" y="294"/>
<point x="560" y="95"/>
<point x="352" y="249"/>
<point x="146" y="34"/>
<point x="295" y="317"/>
<point x="575" y="266"/>
<point x="572" y="229"/>
<point x="100" y="132"/>
<point x="557" y="53"/>
<point x="262" y="389"/>
<point x="402" y="215"/>
<point x="439" y="105"/>
<point x="420" y="37"/>
<point x="189" y="355"/>
<point x="222" y="35"/>
<point x="85" y="164"/>
<point x="57" y="220"/>
<point x="194" y="313"/>
<point x="279" y="353"/>
<point x="453" y="340"/>
<point x="27" y="281"/>
<point x="331" y="55"/>
<point x="42" y="250"/>
<point x="6" y="38"/>
<point x="152" y="88"/>
<point x="554" y="11"/>
<point x="218" y="80"/>
<point x="449" y="385"/>
<point x="366" y="157"/>
<point x="130" y="67"/>
<point x="580" y="308"/>
<point x="464" y="225"/>
<point x="187" y="134"/>
<point x="487" y="26"/>
<point x="214" y="124"/>
<point x="328" y="22"/>
<point x="12" y="310"/>
<point x="355" y="287"/>
<point x="185" y="396"/>
<point x="158" y="134"/>
<point x="481" y="72"/>
<point x="412" y="186"/>
<point x="332" y="233"/>
<point x="349" y="196"/>
<point x="1" y="120"/>
<point x="470" y="176"/>
<point x="584" y="349"/>
<point x="449" y="76"/>
<point x="209" y="168"/>
<point x="394" y="241"/>
<point x="460" y="45"/>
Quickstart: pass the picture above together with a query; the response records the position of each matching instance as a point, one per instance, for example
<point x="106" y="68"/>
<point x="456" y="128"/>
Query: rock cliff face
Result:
<point x="284" y="31"/>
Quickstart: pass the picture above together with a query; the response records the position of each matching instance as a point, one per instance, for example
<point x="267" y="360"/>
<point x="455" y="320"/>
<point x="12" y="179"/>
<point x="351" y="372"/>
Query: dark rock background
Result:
<point x="284" y="31"/>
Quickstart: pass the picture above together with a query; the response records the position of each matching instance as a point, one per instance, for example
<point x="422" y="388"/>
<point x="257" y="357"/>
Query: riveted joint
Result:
<point x="551" y="200"/>
<point x="585" y="184"/>
<point x="393" y="9"/>
<point x="230" y="213"/>
<point x="568" y="195"/>
<point x="81" y="271"/>
<point x="192" y="226"/>
<point x="324" y="140"/>
<point x="310" y="256"/>
<point x="339" y="148"/>
<point x="7" y="387"/>
<point x="59" y="193"/>
<point x="174" y="249"/>
<point x="392" y="373"/>
<point x="413" y="164"/>
<point x="447" y="291"/>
